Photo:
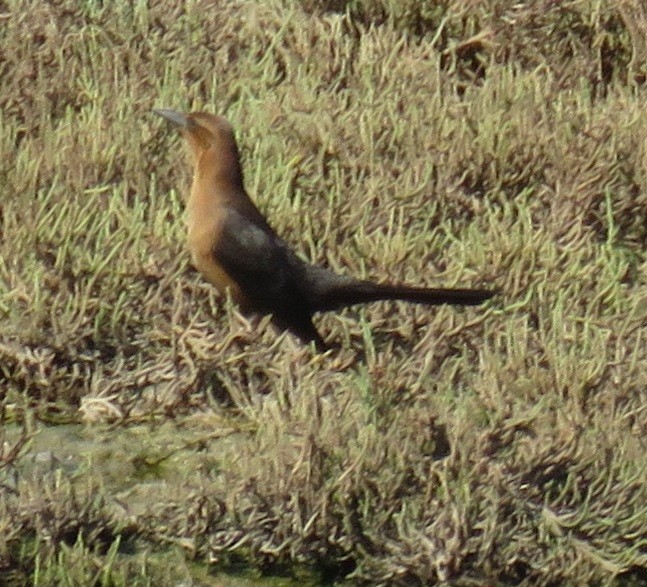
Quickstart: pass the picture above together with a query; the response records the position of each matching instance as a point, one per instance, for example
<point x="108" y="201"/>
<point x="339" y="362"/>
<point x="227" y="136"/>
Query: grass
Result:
<point x="437" y="143"/>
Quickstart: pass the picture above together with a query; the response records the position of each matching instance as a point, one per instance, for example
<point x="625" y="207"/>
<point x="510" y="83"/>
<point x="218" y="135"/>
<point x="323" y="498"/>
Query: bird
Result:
<point x="234" y="247"/>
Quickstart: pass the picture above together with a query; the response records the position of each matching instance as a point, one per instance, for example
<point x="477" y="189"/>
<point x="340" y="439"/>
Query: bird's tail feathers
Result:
<point x="358" y="292"/>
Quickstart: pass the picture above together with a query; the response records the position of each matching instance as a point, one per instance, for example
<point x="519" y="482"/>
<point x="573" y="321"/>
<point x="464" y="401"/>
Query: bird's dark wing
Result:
<point x="267" y="272"/>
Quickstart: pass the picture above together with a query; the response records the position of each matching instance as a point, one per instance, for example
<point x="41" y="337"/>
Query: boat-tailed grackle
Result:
<point x="234" y="247"/>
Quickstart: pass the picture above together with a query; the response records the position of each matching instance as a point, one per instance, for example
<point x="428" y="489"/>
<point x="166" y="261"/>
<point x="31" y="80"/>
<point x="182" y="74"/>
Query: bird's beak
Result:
<point x="177" y="118"/>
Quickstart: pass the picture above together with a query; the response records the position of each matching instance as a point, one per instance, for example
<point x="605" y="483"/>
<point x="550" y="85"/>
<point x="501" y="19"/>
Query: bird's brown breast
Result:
<point x="204" y="230"/>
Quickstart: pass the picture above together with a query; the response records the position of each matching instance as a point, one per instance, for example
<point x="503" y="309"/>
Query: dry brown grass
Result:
<point x="432" y="142"/>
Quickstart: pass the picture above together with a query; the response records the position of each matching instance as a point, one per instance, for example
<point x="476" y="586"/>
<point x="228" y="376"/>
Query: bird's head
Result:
<point x="212" y="144"/>
<point x="202" y="130"/>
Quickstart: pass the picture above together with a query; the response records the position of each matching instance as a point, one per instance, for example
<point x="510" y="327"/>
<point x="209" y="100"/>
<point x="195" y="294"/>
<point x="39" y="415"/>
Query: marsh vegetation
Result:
<point x="438" y="143"/>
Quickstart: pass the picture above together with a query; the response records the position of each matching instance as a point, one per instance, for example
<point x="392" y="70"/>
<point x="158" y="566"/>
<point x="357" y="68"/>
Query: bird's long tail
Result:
<point x="358" y="292"/>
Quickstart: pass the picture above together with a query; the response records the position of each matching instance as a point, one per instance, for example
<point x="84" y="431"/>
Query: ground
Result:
<point x="152" y="435"/>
